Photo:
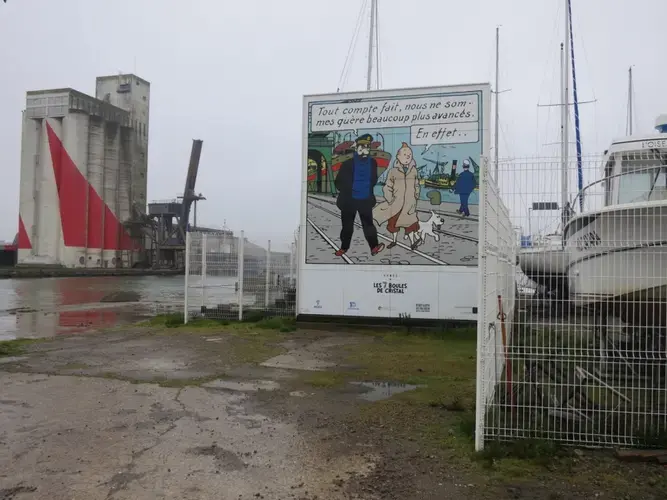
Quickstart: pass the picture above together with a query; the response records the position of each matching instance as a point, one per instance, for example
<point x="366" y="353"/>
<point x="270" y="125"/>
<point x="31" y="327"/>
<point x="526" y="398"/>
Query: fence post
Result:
<point x="187" y="275"/>
<point x="203" y="271"/>
<point x="268" y="277"/>
<point x="480" y="401"/>
<point x="241" y="268"/>
<point x="291" y="263"/>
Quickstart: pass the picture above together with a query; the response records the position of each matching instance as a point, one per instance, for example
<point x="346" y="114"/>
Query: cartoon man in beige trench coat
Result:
<point x="401" y="193"/>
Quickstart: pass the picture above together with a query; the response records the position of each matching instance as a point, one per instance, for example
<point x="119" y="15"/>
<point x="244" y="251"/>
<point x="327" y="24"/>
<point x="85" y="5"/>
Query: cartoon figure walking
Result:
<point x="465" y="184"/>
<point x="355" y="182"/>
<point x="401" y="193"/>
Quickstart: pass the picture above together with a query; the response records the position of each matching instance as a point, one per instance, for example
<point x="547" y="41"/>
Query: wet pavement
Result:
<point x="158" y="417"/>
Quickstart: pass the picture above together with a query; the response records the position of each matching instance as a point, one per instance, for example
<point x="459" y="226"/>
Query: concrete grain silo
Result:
<point x="83" y="167"/>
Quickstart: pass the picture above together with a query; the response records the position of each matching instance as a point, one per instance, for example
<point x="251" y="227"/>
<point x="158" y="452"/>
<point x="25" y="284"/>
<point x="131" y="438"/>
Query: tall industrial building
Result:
<point x="84" y="164"/>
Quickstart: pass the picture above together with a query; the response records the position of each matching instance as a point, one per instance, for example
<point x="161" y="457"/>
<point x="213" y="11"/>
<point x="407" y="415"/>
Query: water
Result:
<point x="43" y="307"/>
<point x="446" y="196"/>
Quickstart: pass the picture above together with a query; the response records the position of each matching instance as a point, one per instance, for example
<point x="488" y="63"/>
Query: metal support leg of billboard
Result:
<point x="188" y="242"/>
<point x="240" y="259"/>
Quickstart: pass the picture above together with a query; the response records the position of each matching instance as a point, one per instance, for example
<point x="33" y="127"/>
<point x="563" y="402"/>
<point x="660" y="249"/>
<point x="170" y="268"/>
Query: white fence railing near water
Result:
<point x="229" y="277"/>
<point x="587" y="355"/>
<point x="497" y="285"/>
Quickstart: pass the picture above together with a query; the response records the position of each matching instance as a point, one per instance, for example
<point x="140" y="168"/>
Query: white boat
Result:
<point x="617" y="254"/>
<point x="545" y="263"/>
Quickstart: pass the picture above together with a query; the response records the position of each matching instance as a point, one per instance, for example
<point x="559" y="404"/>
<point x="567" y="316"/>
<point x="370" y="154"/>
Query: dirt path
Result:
<point x="247" y="413"/>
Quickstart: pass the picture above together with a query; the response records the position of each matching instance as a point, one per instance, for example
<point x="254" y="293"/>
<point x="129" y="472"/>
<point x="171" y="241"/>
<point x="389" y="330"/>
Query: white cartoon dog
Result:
<point x="428" y="227"/>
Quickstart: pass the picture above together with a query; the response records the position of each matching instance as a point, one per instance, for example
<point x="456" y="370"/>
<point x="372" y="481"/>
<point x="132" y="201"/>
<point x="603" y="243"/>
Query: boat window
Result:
<point x="608" y="183"/>
<point x="643" y="176"/>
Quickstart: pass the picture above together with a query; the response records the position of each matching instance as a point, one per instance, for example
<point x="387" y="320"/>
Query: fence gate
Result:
<point x="229" y="277"/>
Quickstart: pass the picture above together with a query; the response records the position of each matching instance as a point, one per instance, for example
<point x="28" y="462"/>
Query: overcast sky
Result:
<point x="234" y="73"/>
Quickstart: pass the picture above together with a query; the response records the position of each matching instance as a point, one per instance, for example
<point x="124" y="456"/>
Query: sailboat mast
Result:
<point x="575" y="95"/>
<point x="495" y="147"/>
<point x="370" y="45"/>
<point x="629" y="124"/>
<point x="565" y="77"/>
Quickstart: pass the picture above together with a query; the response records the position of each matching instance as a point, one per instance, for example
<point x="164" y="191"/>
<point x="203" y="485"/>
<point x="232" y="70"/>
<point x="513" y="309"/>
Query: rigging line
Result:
<point x="377" y="47"/>
<point x="556" y="27"/>
<point x="356" y="42"/>
<point x="352" y="44"/>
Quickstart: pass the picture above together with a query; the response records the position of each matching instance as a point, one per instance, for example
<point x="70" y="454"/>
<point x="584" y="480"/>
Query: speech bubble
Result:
<point x="394" y="113"/>
<point x="445" y="133"/>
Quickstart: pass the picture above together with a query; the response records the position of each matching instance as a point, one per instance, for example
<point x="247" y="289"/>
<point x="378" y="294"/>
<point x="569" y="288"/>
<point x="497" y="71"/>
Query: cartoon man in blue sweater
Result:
<point x="465" y="184"/>
<point x="355" y="182"/>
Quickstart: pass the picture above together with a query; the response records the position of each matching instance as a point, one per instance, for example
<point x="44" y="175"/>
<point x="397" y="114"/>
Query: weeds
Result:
<point x="14" y="347"/>
<point x="255" y="318"/>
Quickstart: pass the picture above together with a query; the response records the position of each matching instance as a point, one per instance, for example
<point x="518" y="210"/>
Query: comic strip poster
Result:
<point x="391" y="181"/>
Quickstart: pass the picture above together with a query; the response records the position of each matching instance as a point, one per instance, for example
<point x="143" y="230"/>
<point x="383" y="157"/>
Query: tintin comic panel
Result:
<point x="391" y="177"/>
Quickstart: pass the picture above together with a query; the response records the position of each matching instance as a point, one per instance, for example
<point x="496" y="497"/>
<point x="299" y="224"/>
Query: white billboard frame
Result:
<point x="360" y="290"/>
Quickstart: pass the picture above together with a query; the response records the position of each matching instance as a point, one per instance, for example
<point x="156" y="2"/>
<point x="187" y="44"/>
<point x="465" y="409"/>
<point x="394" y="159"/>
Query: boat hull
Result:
<point x="546" y="267"/>
<point x="618" y="258"/>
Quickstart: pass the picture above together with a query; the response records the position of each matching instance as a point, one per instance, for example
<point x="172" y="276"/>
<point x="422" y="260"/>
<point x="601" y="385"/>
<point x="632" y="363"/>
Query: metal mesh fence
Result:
<point x="585" y="361"/>
<point x="497" y="298"/>
<point x="230" y="277"/>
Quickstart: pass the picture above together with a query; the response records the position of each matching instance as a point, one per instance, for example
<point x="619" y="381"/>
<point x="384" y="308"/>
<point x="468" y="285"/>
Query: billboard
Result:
<point x="390" y="199"/>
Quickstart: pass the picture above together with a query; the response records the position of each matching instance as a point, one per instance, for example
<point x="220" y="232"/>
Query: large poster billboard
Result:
<point x="390" y="198"/>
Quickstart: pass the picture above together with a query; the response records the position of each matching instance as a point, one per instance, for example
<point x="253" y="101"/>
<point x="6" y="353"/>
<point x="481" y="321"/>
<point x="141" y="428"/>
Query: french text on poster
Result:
<point x="391" y="113"/>
<point x="388" y="287"/>
<point x="445" y="133"/>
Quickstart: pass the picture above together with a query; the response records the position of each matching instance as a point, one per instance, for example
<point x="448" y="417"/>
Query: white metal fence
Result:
<point x="586" y="357"/>
<point x="229" y="277"/>
<point x="497" y="264"/>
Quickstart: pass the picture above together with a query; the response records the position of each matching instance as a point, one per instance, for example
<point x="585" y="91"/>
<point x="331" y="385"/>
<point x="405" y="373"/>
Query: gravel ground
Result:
<point x="151" y="413"/>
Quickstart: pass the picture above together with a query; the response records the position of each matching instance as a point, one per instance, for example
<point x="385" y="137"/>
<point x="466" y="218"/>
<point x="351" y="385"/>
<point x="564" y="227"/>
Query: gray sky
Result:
<point x="233" y="74"/>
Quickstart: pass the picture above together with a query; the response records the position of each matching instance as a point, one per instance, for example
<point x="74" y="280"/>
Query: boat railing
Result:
<point x="582" y="193"/>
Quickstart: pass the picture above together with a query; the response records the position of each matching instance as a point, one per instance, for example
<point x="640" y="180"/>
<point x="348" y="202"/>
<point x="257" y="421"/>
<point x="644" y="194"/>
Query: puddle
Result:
<point x="252" y="386"/>
<point x="382" y="390"/>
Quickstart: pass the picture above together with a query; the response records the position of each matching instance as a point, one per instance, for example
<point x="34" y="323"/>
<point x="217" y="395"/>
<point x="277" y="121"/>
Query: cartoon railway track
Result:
<point x="329" y="241"/>
<point x="382" y="236"/>
<point x="332" y="201"/>
<point x="439" y="231"/>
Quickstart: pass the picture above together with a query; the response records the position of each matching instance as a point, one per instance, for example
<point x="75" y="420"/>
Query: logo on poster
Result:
<point x="353" y="307"/>
<point x="317" y="305"/>
<point x="387" y="287"/>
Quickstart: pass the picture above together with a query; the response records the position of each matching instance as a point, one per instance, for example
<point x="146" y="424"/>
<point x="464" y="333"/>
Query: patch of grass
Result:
<point x="255" y="319"/>
<point x="440" y="414"/>
<point x="252" y="347"/>
<point x="15" y="347"/>
<point x="327" y="380"/>
<point x="540" y="451"/>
